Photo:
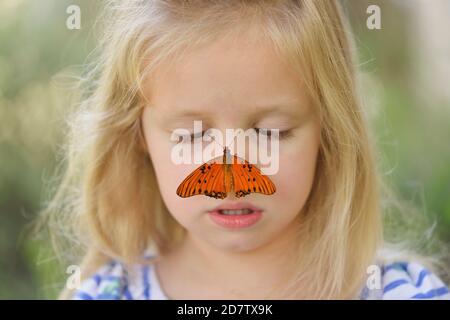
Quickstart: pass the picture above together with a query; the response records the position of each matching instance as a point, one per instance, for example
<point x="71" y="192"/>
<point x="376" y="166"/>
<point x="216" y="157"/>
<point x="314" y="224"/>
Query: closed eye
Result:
<point x="192" y="137"/>
<point x="268" y="132"/>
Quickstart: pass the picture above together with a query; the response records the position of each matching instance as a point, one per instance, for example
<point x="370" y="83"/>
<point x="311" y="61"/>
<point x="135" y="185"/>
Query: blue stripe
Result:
<point x="126" y="289"/>
<point x="431" y="294"/>
<point x="364" y="293"/>
<point x="422" y="275"/>
<point x="112" y="263"/>
<point x="127" y="293"/>
<point x="146" y="283"/>
<point x="97" y="278"/>
<point x="83" y="295"/>
<point x="394" y="284"/>
<point x="109" y="277"/>
<point x="395" y="266"/>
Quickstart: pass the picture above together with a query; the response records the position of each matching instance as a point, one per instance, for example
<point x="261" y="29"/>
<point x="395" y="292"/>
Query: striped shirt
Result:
<point x="399" y="281"/>
<point x="406" y="281"/>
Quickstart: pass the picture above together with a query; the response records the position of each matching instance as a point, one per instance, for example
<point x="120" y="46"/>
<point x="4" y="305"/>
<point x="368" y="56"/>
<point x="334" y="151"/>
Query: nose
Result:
<point x="231" y="195"/>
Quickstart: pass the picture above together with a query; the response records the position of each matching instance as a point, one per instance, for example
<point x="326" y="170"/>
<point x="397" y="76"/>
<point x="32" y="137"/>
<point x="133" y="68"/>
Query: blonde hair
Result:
<point x="109" y="198"/>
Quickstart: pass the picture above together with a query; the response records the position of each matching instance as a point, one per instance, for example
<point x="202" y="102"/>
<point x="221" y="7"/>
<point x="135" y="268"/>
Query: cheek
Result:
<point x="294" y="179"/>
<point x="296" y="175"/>
<point x="169" y="176"/>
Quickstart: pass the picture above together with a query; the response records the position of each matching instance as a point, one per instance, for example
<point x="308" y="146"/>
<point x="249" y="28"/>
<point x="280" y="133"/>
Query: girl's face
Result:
<point x="232" y="84"/>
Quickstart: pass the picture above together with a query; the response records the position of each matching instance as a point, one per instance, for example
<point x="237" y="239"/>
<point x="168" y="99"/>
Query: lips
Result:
<point x="236" y="206"/>
<point x="235" y="215"/>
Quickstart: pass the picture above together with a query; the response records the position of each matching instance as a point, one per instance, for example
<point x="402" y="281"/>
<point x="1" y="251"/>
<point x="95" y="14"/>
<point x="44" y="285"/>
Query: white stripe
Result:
<point x="411" y="275"/>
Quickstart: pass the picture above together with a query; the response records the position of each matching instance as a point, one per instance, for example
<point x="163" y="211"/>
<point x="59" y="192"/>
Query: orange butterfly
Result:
<point x="216" y="180"/>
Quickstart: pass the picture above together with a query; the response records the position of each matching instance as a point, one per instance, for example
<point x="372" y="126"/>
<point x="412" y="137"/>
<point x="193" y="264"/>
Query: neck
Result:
<point x="244" y="272"/>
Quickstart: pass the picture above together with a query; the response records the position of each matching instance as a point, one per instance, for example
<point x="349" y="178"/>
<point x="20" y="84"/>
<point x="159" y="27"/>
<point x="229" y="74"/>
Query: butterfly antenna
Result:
<point x="229" y="145"/>
<point x="234" y="137"/>
<point x="212" y="137"/>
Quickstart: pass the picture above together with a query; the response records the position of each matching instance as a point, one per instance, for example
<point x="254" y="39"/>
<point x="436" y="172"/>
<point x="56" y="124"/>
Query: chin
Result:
<point x="238" y="244"/>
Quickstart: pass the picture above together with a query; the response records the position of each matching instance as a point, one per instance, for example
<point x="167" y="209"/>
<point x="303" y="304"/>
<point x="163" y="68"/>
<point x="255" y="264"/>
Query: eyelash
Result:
<point x="191" y="136"/>
<point x="282" y="134"/>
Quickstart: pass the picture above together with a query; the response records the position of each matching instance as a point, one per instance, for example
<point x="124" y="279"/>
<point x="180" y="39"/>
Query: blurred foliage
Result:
<point x="36" y="48"/>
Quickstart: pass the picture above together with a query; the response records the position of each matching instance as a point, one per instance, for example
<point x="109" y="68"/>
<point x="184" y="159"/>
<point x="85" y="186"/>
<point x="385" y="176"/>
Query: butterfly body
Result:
<point x="214" y="179"/>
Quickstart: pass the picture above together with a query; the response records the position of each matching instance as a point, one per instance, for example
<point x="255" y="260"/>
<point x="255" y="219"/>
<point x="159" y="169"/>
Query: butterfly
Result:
<point x="216" y="179"/>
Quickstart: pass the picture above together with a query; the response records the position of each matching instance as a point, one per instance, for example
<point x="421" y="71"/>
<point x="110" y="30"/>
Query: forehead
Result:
<point x="230" y="76"/>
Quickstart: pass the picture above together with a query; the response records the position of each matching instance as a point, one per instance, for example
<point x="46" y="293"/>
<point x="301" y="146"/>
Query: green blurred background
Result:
<point x="405" y="64"/>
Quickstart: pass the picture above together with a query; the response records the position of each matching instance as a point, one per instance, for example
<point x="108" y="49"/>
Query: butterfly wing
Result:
<point x="247" y="178"/>
<point x="208" y="180"/>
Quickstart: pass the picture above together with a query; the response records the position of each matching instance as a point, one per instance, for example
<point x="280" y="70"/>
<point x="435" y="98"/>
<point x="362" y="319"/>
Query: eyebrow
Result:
<point x="277" y="109"/>
<point x="261" y="110"/>
<point x="187" y="113"/>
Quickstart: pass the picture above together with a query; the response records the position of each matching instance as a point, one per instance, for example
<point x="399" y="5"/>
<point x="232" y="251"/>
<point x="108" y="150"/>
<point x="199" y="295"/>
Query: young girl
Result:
<point x="283" y="65"/>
